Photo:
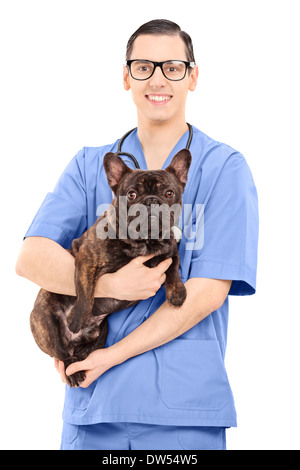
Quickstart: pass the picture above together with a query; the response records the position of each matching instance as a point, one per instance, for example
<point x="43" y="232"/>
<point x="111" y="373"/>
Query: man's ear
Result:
<point x="193" y="79"/>
<point x="180" y="165"/>
<point x="126" y="83"/>
<point x="115" y="169"/>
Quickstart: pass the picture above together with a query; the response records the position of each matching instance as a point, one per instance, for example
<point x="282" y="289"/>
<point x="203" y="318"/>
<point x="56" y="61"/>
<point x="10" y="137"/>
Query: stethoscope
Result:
<point x="176" y="229"/>
<point x="132" y="157"/>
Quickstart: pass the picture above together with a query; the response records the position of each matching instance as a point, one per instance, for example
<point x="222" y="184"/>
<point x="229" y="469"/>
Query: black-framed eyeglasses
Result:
<point x="174" y="70"/>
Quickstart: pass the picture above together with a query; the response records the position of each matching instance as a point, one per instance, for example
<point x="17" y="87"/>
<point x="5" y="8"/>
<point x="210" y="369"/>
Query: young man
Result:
<point x="160" y="383"/>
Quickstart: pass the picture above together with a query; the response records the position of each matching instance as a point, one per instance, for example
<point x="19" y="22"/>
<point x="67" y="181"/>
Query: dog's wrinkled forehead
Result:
<point x="148" y="182"/>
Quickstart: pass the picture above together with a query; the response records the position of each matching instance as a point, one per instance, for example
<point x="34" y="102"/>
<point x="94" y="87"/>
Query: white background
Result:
<point x="61" y="89"/>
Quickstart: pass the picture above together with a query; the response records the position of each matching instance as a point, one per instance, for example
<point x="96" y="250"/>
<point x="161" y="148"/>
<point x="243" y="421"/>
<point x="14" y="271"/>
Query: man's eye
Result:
<point x="170" y="193"/>
<point x="131" y="195"/>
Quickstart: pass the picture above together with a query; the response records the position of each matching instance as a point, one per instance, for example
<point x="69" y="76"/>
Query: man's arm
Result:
<point x="50" y="266"/>
<point x="47" y="264"/>
<point x="204" y="296"/>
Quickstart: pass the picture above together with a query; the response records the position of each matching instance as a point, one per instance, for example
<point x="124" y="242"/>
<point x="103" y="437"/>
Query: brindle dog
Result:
<point x="70" y="328"/>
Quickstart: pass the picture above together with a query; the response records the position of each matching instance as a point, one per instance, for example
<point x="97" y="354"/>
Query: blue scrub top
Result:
<point x="183" y="382"/>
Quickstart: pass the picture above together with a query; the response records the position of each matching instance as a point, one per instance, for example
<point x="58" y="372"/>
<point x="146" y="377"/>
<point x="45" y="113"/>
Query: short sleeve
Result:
<point x="230" y="224"/>
<point x="63" y="213"/>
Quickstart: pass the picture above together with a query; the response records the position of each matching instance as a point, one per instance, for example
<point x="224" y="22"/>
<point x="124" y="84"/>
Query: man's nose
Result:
<point x="158" y="79"/>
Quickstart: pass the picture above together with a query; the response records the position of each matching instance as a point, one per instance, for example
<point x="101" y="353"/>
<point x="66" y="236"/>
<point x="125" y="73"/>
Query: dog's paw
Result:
<point x="73" y="325"/>
<point x="75" y="380"/>
<point x="74" y="321"/>
<point x="177" y="295"/>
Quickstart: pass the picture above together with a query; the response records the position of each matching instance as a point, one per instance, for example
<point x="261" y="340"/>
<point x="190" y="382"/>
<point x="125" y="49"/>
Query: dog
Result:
<point x="70" y="328"/>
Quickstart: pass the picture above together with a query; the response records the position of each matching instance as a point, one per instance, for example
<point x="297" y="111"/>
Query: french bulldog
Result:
<point x="70" y="328"/>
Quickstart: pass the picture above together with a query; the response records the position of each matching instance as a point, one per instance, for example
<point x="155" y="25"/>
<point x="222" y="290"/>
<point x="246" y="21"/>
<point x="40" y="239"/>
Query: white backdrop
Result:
<point x="61" y="89"/>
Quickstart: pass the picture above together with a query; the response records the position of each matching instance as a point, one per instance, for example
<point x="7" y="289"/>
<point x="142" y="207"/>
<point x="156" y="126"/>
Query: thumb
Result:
<point x="76" y="367"/>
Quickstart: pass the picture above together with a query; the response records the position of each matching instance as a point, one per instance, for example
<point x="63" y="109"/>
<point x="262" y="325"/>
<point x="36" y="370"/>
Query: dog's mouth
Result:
<point x="151" y="227"/>
<point x="159" y="228"/>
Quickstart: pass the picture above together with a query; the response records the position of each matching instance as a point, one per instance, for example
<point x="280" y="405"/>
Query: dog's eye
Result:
<point x="131" y="195"/>
<point x="170" y="193"/>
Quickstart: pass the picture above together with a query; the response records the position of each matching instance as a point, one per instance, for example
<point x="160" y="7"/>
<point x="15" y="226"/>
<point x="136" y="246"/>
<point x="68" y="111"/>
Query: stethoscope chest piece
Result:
<point x="177" y="233"/>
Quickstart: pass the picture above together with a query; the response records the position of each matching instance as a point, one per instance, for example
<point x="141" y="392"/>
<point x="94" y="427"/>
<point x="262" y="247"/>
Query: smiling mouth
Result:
<point x="159" y="99"/>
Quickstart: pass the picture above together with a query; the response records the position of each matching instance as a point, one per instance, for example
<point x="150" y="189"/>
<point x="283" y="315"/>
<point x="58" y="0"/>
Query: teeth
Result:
<point x="159" y="98"/>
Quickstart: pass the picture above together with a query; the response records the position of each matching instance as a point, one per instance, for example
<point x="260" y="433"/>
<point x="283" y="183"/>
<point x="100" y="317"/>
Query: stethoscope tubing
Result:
<point x="132" y="157"/>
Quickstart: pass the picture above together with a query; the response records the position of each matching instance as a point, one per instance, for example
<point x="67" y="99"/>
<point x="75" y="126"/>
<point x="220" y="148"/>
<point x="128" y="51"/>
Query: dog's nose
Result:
<point x="150" y="200"/>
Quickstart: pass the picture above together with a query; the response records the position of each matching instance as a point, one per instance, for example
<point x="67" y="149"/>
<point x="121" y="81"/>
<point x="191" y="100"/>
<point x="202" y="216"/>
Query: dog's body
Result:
<point x="70" y="328"/>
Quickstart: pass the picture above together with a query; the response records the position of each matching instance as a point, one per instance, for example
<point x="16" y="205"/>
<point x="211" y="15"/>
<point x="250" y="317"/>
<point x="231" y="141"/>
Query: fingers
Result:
<point x="164" y="265"/>
<point x="158" y="272"/>
<point x="60" y="367"/>
<point x="138" y="281"/>
<point x="143" y="259"/>
<point x="161" y="267"/>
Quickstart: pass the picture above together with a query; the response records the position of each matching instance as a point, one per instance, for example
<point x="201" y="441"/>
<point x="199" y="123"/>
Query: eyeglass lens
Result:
<point x="173" y="69"/>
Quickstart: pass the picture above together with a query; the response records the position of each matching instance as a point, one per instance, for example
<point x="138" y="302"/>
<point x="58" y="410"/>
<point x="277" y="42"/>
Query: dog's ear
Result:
<point x="180" y="165"/>
<point x="115" y="169"/>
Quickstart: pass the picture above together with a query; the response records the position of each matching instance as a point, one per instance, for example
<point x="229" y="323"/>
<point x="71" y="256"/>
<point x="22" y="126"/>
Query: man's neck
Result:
<point x="158" y="139"/>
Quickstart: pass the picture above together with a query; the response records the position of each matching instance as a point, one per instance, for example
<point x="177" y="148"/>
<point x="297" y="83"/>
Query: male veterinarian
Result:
<point x="160" y="383"/>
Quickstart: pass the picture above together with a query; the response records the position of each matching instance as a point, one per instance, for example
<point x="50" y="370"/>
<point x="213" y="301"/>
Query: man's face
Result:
<point x="160" y="48"/>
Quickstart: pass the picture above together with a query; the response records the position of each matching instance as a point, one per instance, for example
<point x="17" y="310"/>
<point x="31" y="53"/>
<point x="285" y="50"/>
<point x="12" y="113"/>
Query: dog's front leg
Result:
<point x="86" y="275"/>
<point x="175" y="289"/>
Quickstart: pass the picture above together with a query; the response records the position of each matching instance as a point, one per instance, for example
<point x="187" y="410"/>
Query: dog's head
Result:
<point x="151" y="198"/>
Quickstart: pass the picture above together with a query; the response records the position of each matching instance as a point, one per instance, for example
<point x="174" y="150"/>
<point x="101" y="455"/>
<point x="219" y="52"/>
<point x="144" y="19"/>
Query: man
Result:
<point x="160" y="383"/>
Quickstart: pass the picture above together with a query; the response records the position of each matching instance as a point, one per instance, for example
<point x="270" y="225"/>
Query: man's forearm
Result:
<point x="47" y="264"/>
<point x="203" y="297"/>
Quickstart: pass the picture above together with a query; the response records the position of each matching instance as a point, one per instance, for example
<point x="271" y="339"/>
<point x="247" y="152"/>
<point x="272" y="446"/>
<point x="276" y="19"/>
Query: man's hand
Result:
<point x="134" y="281"/>
<point x="94" y="365"/>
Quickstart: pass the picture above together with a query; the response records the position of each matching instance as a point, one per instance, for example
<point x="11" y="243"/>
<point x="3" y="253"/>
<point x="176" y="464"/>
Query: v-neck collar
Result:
<point x="133" y="142"/>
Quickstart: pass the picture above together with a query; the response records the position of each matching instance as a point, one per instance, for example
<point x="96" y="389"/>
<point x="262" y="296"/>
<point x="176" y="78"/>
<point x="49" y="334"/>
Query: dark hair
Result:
<point x="162" y="27"/>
